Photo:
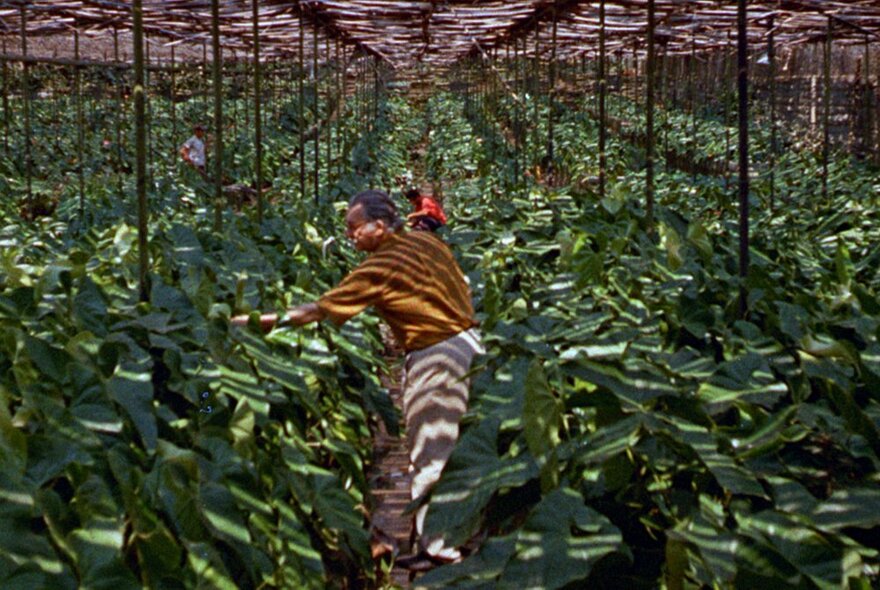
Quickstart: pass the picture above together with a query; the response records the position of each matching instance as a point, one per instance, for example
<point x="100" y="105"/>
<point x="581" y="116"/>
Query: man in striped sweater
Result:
<point x="412" y="280"/>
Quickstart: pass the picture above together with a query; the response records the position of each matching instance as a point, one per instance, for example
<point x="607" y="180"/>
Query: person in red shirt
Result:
<point x="427" y="213"/>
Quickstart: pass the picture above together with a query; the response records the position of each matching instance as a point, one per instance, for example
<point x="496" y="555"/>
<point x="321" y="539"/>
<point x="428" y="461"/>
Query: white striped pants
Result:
<point x="435" y="395"/>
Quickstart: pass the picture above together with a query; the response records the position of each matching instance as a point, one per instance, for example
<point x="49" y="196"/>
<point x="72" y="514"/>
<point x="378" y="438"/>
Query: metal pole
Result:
<point x="26" y="97"/>
<point x="649" y="120"/>
<point x="742" y="44"/>
<point x="602" y="91"/>
<point x="140" y="146"/>
<point x="218" y="113"/>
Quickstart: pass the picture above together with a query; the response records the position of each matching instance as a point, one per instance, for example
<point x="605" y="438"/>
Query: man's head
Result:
<point x="413" y="194"/>
<point x="199" y="131"/>
<point x="371" y="219"/>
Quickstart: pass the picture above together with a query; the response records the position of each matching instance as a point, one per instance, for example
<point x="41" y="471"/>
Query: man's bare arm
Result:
<point x="298" y="316"/>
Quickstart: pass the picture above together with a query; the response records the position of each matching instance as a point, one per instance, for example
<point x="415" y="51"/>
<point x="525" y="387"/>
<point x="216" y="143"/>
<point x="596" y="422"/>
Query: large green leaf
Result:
<point x="541" y="412"/>
<point x="559" y="543"/>
<point x="474" y="472"/>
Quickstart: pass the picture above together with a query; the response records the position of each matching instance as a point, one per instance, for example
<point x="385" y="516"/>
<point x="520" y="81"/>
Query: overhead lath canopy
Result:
<point x="437" y="33"/>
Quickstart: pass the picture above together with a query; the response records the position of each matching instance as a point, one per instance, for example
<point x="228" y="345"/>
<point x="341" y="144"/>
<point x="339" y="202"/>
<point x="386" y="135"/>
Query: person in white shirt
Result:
<point x="193" y="150"/>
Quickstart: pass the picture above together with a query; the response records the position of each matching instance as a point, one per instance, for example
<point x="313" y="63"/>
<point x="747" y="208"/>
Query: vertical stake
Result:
<point x="537" y="86"/>
<point x="173" y="97"/>
<point x="119" y="111"/>
<point x="26" y="96"/>
<point x="826" y="107"/>
<point x="140" y="98"/>
<point x="649" y="120"/>
<point x="329" y="89"/>
<point x="602" y="90"/>
<point x="317" y="110"/>
<point x="5" y="102"/>
<point x="302" y="113"/>
<point x="692" y="98"/>
<point x="742" y="44"/>
<point x="551" y="96"/>
<point x="258" y="118"/>
<point x="80" y="123"/>
<point x="869" y="102"/>
<point x="771" y="58"/>
<point x="217" y="85"/>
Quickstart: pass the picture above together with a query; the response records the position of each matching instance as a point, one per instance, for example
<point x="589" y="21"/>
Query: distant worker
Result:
<point x="427" y="213"/>
<point x="413" y="281"/>
<point x="193" y="150"/>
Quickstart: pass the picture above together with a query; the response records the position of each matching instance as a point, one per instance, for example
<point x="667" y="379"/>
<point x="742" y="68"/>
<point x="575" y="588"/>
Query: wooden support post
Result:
<point x="635" y="55"/>
<point x="235" y="96"/>
<point x="217" y="85"/>
<point x="120" y="114"/>
<point x="316" y="179"/>
<point x="340" y="94"/>
<point x="826" y="107"/>
<point x="26" y="99"/>
<point x="517" y="129"/>
<point x="602" y="91"/>
<point x="869" y="100"/>
<point x="204" y="79"/>
<point x="727" y="100"/>
<point x="649" y="120"/>
<point x="151" y="161"/>
<point x="330" y="124"/>
<point x="258" y="117"/>
<point x="140" y="97"/>
<point x="742" y="44"/>
<point x="537" y="87"/>
<point x="664" y="89"/>
<point x="692" y="99"/>
<point x="173" y="92"/>
<point x="5" y="103"/>
<point x="302" y="113"/>
<point x="771" y="160"/>
<point x="376" y="89"/>
<point x="551" y="96"/>
<point x="80" y="124"/>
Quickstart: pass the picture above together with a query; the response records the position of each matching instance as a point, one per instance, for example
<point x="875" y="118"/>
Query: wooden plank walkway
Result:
<point x="389" y="477"/>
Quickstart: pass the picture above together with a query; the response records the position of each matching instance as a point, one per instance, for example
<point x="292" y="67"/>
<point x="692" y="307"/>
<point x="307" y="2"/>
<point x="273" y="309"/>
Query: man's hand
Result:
<point x="267" y="321"/>
<point x="298" y="316"/>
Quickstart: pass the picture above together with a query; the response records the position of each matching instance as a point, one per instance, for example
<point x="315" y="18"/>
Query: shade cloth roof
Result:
<point x="437" y="33"/>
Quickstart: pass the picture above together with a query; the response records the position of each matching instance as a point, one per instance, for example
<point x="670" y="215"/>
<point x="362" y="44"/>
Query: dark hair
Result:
<point x="412" y="193"/>
<point x="198" y="127"/>
<point x="377" y="206"/>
